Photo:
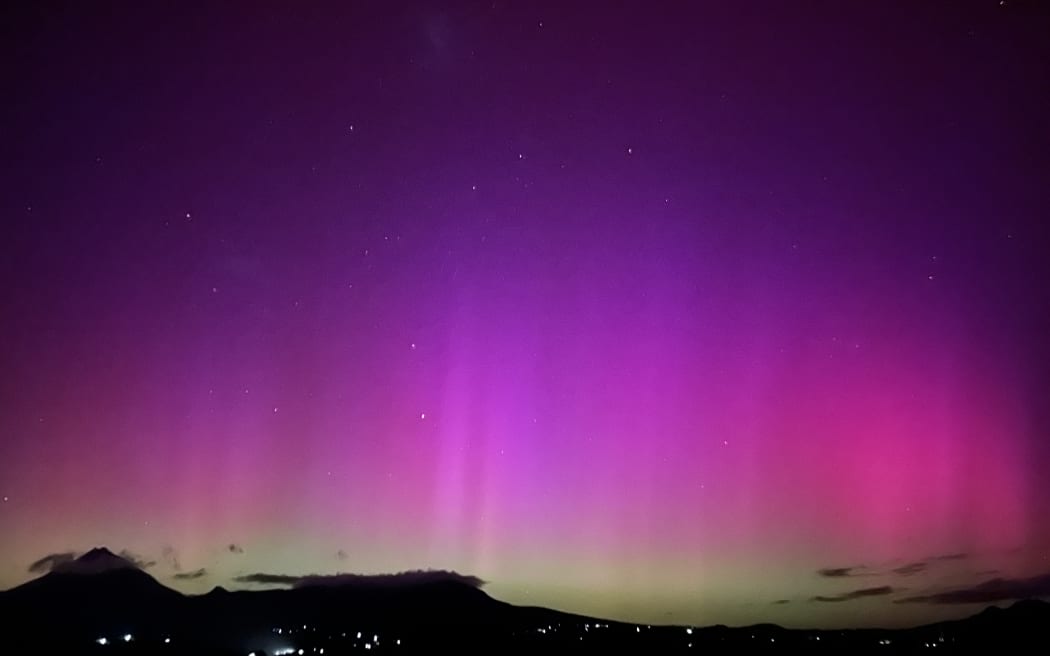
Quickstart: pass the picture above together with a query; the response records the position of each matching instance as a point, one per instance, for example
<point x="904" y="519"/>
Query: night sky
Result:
<point x="720" y="312"/>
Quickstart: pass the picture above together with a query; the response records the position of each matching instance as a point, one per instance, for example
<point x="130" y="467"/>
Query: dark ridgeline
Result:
<point x="103" y="596"/>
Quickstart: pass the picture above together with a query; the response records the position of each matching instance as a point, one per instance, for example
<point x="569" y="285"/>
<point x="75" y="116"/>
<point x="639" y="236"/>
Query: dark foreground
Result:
<point x="121" y="610"/>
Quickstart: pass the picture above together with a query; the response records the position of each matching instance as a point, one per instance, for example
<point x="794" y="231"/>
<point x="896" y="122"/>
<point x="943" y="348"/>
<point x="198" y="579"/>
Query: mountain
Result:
<point x="1005" y="630"/>
<point x="96" y="561"/>
<point x="99" y="572"/>
<point x="98" y="591"/>
<point x="103" y="597"/>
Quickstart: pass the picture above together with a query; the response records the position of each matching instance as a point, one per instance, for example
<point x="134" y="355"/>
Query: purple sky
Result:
<point x="650" y="313"/>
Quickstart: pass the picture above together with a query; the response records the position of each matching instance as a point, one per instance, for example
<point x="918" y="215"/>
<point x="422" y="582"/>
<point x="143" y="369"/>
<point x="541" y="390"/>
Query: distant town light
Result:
<point x="689" y="631"/>
<point x="368" y="645"/>
<point x="167" y="641"/>
<point x="300" y="652"/>
<point x="127" y="637"/>
<point x="102" y="641"/>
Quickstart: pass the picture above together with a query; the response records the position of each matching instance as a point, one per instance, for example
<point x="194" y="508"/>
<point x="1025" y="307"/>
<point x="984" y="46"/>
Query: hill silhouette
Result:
<point x="102" y="597"/>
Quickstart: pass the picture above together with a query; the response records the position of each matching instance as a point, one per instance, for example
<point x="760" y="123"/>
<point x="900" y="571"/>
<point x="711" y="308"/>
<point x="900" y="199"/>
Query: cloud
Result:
<point x="171" y="557"/>
<point x="262" y="578"/>
<point x="992" y="590"/>
<point x="908" y="569"/>
<point x="781" y="602"/>
<point x="341" y="555"/>
<point x="911" y="568"/>
<point x="66" y="561"/>
<point x="136" y="560"/>
<point x="235" y="548"/>
<point x="863" y="593"/>
<point x="840" y="572"/>
<point x="415" y="577"/>
<point x="51" y="561"/>
<point x="189" y="576"/>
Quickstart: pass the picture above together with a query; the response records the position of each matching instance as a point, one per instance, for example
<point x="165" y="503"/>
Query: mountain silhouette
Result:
<point x="98" y="591"/>
<point x="98" y="574"/>
<point x="95" y="561"/>
<point x="102" y="597"/>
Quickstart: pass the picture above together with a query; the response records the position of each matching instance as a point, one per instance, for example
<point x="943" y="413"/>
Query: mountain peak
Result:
<point x="99" y="559"/>
<point x="98" y="552"/>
